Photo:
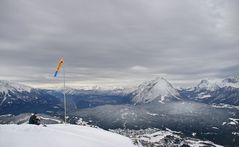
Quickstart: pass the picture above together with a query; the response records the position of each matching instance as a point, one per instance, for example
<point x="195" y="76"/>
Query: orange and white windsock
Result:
<point x="60" y="63"/>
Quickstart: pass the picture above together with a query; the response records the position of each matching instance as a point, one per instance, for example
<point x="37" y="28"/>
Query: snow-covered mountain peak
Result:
<point x="231" y="82"/>
<point x="6" y="86"/>
<point x="158" y="89"/>
<point x="159" y="81"/>
<point x="206" y="85"/>
<point x="234" y="79"/>
<point x="212" y="86"/>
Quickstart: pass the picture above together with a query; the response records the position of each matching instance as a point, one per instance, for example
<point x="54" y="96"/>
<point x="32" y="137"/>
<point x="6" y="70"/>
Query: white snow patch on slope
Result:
<point x="152" y="114"/>
<point x="196" y="143"/>
<point x="202" y="95"/>
<point x="235" y="133"/>
<point x="205" y="96"/>
<point x="233" y="121"/>
<point x="59" y="136"/>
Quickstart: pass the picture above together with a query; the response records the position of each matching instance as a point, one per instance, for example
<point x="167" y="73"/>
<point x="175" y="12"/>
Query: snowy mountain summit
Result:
<point x="59" y="135"/>
<point x="206" y="85"/>
<point x="7" y="86"/>
<point x="159" y="89"/>
<point x="231" y="82"/>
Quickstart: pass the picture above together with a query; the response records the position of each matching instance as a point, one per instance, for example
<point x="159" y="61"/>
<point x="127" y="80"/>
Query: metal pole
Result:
<point x="64" y="94"/>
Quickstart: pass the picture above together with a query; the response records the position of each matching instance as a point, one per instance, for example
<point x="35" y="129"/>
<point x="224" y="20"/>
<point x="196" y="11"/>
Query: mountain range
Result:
<point x="17" y="98"/>
<point x="225" y="92"/>
<point x="160" y="90"/>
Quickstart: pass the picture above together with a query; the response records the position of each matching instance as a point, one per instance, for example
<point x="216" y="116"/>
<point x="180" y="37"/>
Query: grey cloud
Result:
<point x="102" y="41"/>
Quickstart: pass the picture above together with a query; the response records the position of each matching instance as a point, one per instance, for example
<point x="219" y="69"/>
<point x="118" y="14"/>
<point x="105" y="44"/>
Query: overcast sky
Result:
<point x="114" y="43"/>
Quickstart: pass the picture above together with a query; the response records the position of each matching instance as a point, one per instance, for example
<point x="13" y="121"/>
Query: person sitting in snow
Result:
<point x="34" y="120"/>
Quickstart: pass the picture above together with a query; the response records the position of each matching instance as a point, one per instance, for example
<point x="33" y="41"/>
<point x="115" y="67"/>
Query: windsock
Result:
<point x="60" y="63"/>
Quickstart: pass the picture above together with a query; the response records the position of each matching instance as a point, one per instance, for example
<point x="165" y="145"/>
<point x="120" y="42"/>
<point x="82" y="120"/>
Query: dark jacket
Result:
<point x="34" y="120"/>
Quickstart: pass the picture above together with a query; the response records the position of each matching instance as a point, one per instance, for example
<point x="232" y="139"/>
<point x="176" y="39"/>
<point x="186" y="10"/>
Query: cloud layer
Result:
<point x="118" y="42"/>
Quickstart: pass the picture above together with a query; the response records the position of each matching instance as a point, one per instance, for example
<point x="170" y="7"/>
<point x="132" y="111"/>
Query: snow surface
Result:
<point x="59" y="135"/>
